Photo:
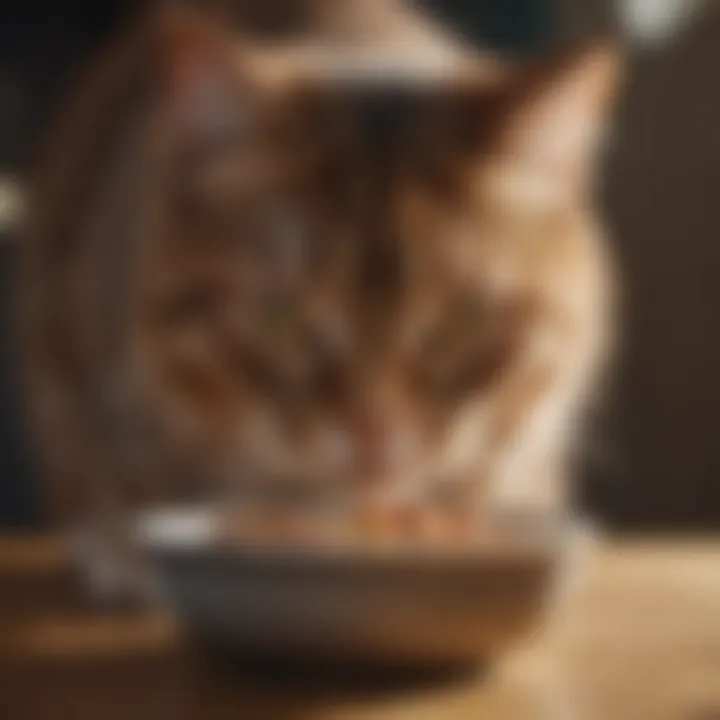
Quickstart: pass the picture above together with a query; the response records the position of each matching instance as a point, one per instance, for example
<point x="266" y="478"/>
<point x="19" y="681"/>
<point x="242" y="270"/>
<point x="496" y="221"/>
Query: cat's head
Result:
<point x="345" y="266"/>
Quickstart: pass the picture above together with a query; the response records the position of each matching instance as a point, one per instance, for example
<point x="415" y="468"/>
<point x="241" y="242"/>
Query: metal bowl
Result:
<point x="397" y="606"/>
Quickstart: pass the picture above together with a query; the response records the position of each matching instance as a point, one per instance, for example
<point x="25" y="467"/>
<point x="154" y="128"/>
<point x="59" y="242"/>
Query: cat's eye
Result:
<point x="329" y="333"/>
<point x="195" y="302"/>
<point x="287" y="318"/>
<point x="459" y="347"/>
<point x="284" y="319"/>
<point x="280" y="316"/>
<point x="458" y="322"/>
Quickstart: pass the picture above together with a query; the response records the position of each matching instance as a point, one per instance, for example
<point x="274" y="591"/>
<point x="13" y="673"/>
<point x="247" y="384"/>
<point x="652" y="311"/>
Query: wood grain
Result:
<point x="637" y="639"/>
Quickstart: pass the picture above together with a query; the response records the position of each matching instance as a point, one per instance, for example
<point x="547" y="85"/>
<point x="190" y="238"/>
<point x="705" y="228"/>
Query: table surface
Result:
<point x="638" y="638"/>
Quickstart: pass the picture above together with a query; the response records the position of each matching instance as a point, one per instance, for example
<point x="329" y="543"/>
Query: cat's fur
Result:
<point x="381" y="22"/>
<point x="237" y="276"/>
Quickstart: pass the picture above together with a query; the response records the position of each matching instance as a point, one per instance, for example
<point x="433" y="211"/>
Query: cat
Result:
<point x="241" y="271"/>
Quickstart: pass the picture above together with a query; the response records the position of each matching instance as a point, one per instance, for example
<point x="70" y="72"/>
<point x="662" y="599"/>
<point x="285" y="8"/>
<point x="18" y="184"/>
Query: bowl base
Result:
<point x="334" y="674"/>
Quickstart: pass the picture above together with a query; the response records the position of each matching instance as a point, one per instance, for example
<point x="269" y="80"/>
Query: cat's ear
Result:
<point x="556" y="117"/>
<point x="205" y="77"/>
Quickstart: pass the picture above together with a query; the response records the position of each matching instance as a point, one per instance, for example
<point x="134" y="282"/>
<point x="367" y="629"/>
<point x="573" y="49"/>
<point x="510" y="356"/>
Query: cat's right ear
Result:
<point x="557" y="117"/>
<point x="205" y="82"/>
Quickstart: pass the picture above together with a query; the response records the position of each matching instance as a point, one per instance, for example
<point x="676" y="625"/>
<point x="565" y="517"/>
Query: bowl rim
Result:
<point x="191" y="531"/>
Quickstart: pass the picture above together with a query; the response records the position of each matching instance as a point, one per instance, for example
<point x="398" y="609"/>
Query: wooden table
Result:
<point x="638" y="639"/>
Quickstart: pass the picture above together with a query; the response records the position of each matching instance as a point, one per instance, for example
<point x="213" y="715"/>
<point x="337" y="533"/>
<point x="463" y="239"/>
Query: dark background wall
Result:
<point x="40" y="44"/>
<point x="655" y="458"/>
<point x="664" y="200"/>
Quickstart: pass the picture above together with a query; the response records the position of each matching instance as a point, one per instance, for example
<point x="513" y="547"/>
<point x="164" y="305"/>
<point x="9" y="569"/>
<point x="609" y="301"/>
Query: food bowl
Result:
<point x="396" y="604"/>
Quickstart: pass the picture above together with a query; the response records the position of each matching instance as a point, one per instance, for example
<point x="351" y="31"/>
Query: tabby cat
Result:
<point x="311" y="271"/>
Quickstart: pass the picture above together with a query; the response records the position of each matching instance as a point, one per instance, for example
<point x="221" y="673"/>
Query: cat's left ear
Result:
<point x="205" y="74"/>
<point x="557" y="115"/>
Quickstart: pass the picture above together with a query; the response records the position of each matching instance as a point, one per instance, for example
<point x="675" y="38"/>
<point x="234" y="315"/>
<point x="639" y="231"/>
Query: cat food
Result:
<point x="364" y="526"/>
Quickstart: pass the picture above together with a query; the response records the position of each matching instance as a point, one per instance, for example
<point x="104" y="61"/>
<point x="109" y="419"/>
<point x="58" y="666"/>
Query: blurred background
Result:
<point x="654" y="458"/>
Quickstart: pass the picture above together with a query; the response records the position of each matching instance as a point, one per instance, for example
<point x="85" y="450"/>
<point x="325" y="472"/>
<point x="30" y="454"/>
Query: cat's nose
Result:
<point x="382" y="445"/>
